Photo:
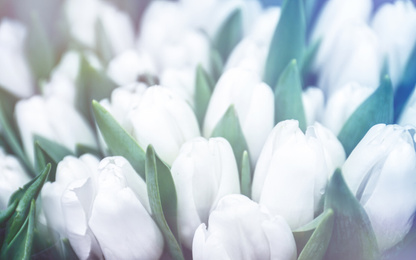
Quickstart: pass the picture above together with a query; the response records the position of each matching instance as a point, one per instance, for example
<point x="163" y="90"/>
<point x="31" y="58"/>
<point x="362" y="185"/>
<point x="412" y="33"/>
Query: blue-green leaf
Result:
<point x="245" y="175"/>
<point x="229" y="34"/>
<point x="216" y="64"/>
<point x="163" y="201"/>
<point x="317" y="244"/>
<point x="118" y="140"/>
<point x="307" y="61"/>
<point x="406" y="85"/>
<point x="20" y="247"/>
<point x="39" y="49"/>
<point x="204" y="86"/>
<point x="288" y="96"/>
<point x="229" y="127"/>
<point x="376" y="109"/>
<point x="288" y="40"/>
<point x="54" y="150"/>
<point x="352" y="235"/>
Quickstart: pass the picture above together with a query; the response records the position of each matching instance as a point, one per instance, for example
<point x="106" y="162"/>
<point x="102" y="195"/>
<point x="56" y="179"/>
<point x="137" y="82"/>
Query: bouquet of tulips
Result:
<point x="210" y="129"/>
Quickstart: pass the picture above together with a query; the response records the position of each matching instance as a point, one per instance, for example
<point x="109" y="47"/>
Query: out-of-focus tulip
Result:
<point x="168" y="36"/>
<point x="126" y="67"/>
<point x="156" y="116"/>
<point x="253" y="101"/>
<point x="84" y="17"/>
<point x="251" y="52"/>
<point x="103" y="209"/>
<point x="343" y="103"/>
<point x="12" y="176"/>
<point x="293" y="169"/>
<point x="204" y="172"/>
<point x="182" y="82"/>
<point x="242" y="229"/>
<point x="15" y="74"/>
<point x="381" y="172"/>
<point x="354" y="55"/>
<point x="48" y="118"/>
<point x="395" y="24"/>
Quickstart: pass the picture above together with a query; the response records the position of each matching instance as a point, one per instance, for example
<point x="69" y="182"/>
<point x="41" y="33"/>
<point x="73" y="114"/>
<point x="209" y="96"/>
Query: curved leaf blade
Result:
<point x="204" y="86"/>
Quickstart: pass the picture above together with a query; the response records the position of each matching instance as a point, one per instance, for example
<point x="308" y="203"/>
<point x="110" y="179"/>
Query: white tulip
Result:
<point x="395" y="24"/>
<point x="126" y="67"/>
<point x="15" y="74"/>
<point x="73" y="174"/>
<point x="12" y="176"/>
<point x="48" y="118"/>
<point x="380" y="171"/>
<point x="253" y="101"/>
<point x="342" y="104"/>
<point x="84" y="16"/>
<point x="241" y="229"/>
<point x="292" y="170"/>
<point x="102" y="208"/>
<point x="204" y="172"/>
<point x="168" y="36"/>
<point x="354" y="55"/>
<point x="119" y="218"/>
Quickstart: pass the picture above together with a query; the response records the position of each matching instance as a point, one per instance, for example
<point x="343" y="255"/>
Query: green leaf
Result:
<point x="7" y="213"/>
<point x="91" y="84"/>
<point x="54" y="150"/>
<point x="376" y="109"/>
<point x="288" y="40"/>
<point x="29" y="192"/>
<point x="229" y="127"/>
<point x="288" y="96"/>
<point x="229" y="34"/>
<point x="20" y="247"/>
<point x="163" y="201"/>
<point x="39" y="49"/>
<point x="245" y="175"/>
<point x="10" y="136"/>
<point x="352" y="235"/>
<point x="216" y="64"/>
<point x="118" y="140"/>
<point x="317" y="245"/>
<point x="204" y="86"/>
<point x="81" y="149"/>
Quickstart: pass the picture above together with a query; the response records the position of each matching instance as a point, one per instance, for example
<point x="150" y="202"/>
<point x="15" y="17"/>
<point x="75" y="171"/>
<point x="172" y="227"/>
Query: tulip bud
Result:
<point x="342" y="104"/>
<point x="15" y="74"/>
<point x="395" y="24"/>
<point x="156" y="116"/>
<point x="241" y="229"/>
<point x="204" y="172"/>
<point x="48" y="117"/>
<point x="12" y="176"/>
<point x="253" y="101"/>
<point x="380" y="171"/>
<point x="292" y="170"/>
<point x="102" y="208"/>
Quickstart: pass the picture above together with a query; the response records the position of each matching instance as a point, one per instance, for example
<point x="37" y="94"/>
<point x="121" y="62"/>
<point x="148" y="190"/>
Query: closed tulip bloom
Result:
<point x="15" y="74"/>
<point x="293" y="169"/>
<point x="313" y="103"/>
<point x="181" y="82"/>
<point x="204" y="172"/>
<point x="253" y="101"/>
<point x="395" y="24"/>
<point x="342" y="104"/>
<point x="119" y="218"/>
<point x="164" y="120"/>
<point x="380" y="171"/>
<point x="48" y="117"/>
<point x="242" y="229"/>
<point x="12" y="176"/>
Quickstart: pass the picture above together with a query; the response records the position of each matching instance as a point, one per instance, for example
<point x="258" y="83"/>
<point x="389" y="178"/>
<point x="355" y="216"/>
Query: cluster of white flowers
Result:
<point x="249" y="174"/>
